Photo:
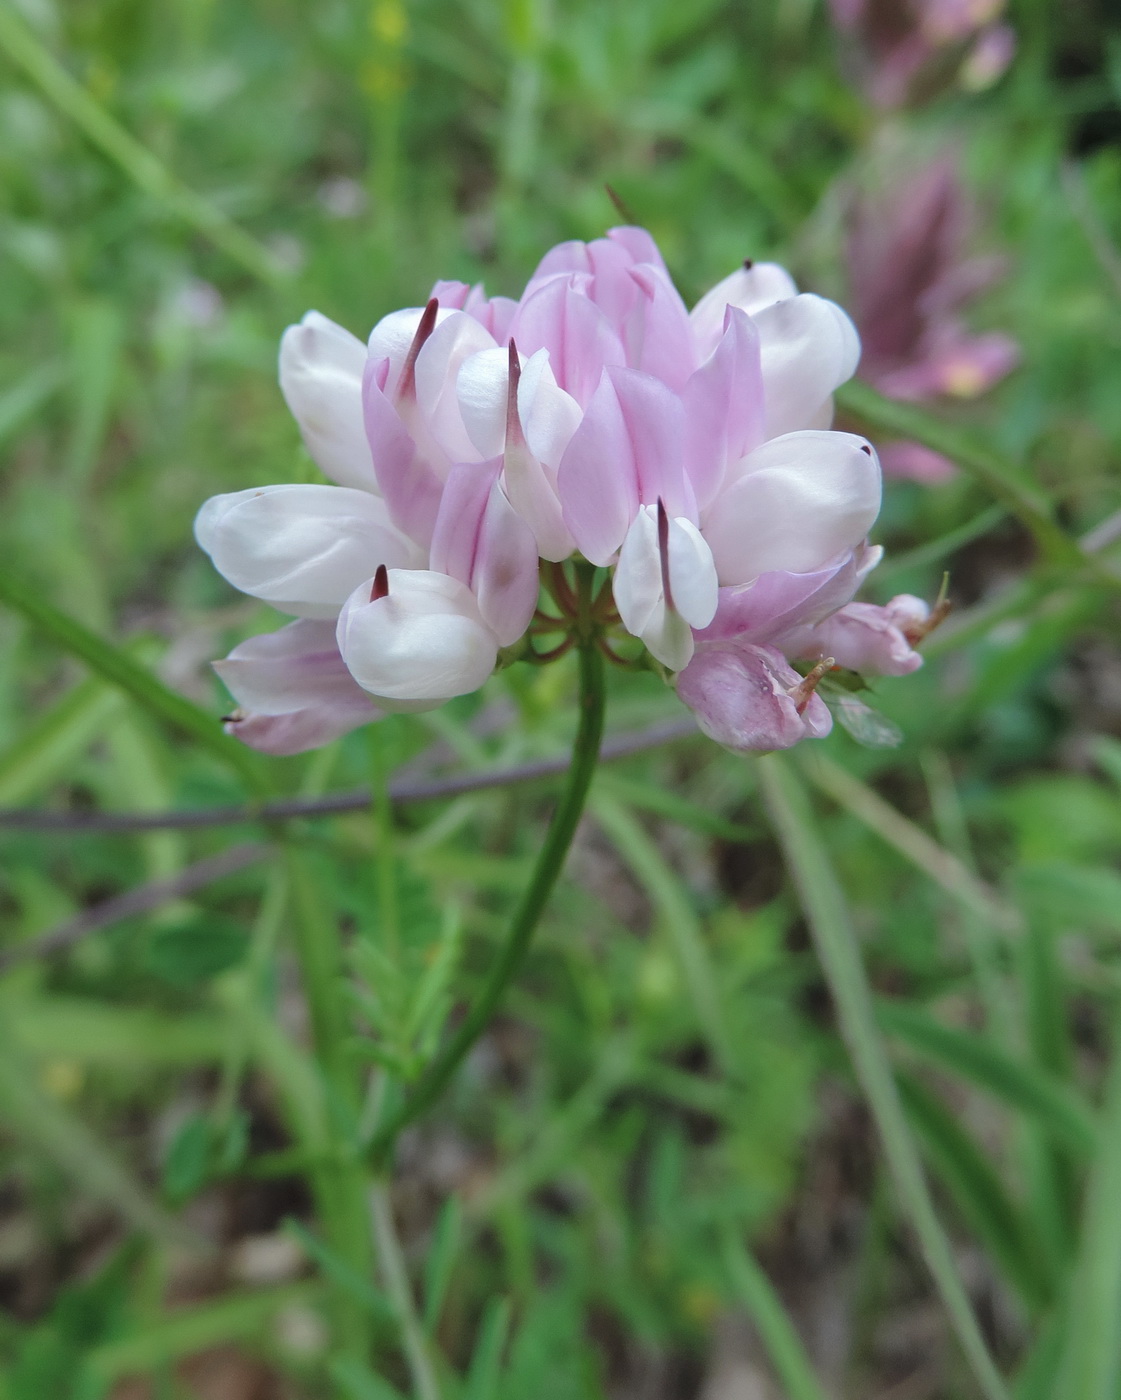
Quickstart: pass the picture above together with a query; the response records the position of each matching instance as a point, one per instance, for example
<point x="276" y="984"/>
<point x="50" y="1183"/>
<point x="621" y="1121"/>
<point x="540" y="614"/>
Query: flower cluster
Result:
<point x="904" y="51"/>
<point x="909" y="278"/>
<point x="478" y="443"/>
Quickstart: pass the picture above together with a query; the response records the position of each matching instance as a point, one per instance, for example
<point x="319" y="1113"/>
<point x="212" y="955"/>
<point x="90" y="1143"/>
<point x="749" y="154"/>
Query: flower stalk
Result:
<point x="550" y="862"/>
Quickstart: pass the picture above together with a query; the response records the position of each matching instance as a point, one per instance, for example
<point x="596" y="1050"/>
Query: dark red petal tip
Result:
<point x="381" y="584"/>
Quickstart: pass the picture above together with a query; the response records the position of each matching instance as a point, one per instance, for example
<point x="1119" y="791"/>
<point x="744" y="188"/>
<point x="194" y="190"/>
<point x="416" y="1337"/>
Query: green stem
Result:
<point x="585" y="754"/>
<point x="823" y="903"/>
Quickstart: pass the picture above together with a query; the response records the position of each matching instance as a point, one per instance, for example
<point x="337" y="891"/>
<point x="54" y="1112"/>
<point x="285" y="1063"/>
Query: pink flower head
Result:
<point x="909" y="279"/>
<point x="476" y="440"/>
<point x="898" y="49"/>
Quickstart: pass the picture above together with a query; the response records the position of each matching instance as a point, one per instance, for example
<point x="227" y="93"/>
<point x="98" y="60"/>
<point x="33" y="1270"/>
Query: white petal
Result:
<point x="548" y="415"/>
<point x="482" y="387"/>
<point x="750" y="289"/>
<point x="692" y="574"/>
<point x="301" y="548"/>
<point x="457" y="338"/>
<point x="639" y="595"/>
<point x="637" y="583"/>
<point x="802" y="500"/>
<point x="321" y="367"/>
<point x="424" y="641"/>
<point x="808" y="348"/>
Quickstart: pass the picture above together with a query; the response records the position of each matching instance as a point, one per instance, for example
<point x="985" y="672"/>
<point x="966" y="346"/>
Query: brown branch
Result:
<point x="402" y="791"/>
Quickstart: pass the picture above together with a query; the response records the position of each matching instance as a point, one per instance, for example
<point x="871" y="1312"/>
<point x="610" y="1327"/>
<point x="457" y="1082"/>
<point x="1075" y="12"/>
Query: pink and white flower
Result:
<point x="473" y="438"/>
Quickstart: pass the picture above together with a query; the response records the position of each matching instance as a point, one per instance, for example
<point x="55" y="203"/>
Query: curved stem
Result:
<point x="585" y="754"/>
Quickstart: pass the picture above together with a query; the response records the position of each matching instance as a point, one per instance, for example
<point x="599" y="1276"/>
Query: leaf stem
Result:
<point x="550" y="861"/>
<point x="823" y="904"/>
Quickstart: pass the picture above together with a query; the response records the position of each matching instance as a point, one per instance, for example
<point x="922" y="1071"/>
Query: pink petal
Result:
<point x="657" y="334"/>
<point x="559" y="317"/>
<point x="408" y="481"/>
<point x="723" y="407"/>
<point x="740" y="696"/>
<point x="627" y="449"/>
<point x="778" y="601"/>
<point x="864" y="637"/>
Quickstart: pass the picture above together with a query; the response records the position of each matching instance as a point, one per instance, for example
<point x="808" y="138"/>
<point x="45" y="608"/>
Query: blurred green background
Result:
<point x="664" y="1099"/>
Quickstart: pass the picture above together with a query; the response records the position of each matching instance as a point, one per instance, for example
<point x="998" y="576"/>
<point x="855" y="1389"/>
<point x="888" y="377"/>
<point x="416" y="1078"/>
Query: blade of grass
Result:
<point x="138" y="163"/>
<point x="782" y="1343"/>
<point x="1091" y="1361"/>
<point x="486" y="1360"/>
<point x="826" y="914"/>
<point x="978" y="1192"/>
<point x="114" y="665"/>
<point x="395" y="1276"/>
<point x="233" y="1318"/>
<point x="1024" y="1087"/>
<point x="892" y="827"/>
<point x="54" y="742"/>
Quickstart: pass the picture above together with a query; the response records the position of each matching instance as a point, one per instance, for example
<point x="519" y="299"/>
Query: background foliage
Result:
<point x="665" y="1088"/>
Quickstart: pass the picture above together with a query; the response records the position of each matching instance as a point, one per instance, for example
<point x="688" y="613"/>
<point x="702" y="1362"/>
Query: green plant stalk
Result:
<point x="134" y="159"/>
<point x="781" y="1341"/>
<point x="823" y="903"/>
<point x="341" y="1181"/>
<point x="550" y="861"/>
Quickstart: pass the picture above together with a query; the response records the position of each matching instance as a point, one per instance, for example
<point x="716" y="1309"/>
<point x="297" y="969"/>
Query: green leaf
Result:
<point x="978" y="1192"/>
<point x="441" y="1260"/>
<point x="486" y="1359"/>
<point x="187" y="1166"/>
<point x="46" y="751"/>
<point x="24" y="400"/>
<point x="978" y="1060"/>
<point x="51" y="1130"/>
<point x="358" y="1382"/>
<point x="192" y="952"/>
<point x="340" y="1273"/>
